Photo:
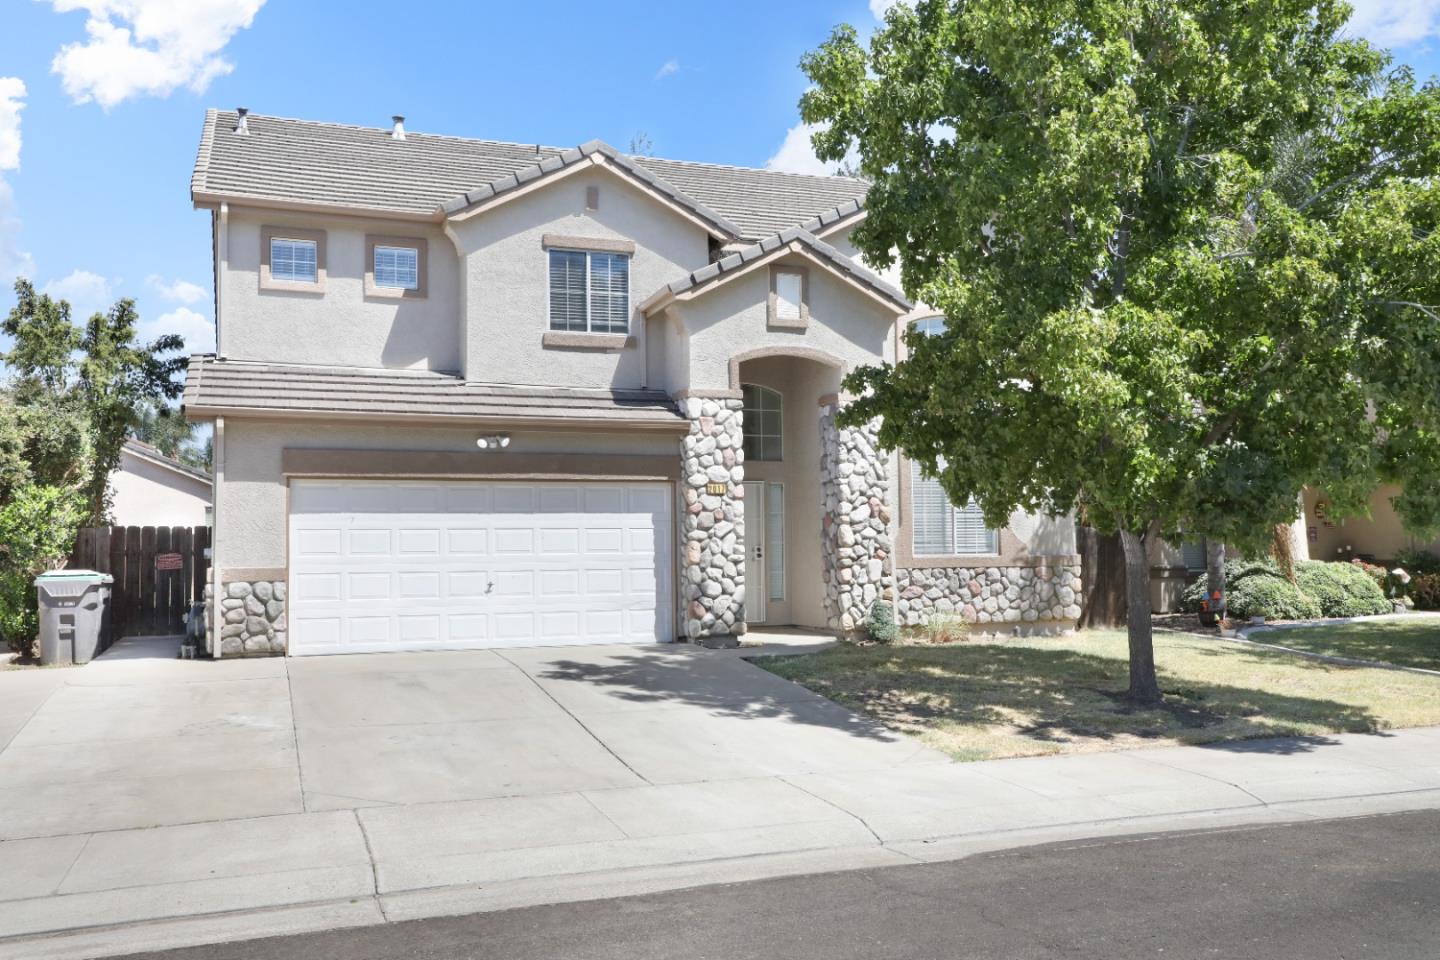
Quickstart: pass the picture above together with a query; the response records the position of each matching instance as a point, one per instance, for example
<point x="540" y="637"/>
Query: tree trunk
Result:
<point x="1282" y="548"/>
<point x="1102" y="579"/>
<point x="1144" y="686"/>
<point x="1214" y="608"/>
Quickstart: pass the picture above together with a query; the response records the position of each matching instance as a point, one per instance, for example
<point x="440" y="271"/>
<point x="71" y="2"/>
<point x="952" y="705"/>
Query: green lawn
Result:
<point x="1020" y="697"/>
<point x="1411" y="641"/>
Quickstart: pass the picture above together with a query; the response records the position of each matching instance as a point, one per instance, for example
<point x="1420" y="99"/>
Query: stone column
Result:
<point x="856" y="547"/>
<point x="713" y="568"/>
<point x="252" y="618"/>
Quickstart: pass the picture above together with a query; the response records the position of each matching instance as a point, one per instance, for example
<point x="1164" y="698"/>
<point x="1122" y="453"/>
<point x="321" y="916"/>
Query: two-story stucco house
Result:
<point x="477" y="394"/>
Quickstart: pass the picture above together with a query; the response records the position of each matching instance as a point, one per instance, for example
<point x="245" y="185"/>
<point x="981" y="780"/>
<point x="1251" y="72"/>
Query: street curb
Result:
<point x="425" y="903"/>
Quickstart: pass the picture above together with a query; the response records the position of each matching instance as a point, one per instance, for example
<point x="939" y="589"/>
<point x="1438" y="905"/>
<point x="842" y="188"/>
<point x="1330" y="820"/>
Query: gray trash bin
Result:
<point x="74" y="614"/>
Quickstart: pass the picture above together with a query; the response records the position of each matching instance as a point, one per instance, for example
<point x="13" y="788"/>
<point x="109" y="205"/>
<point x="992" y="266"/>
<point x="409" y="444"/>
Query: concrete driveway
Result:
<point x="138" y="739"/>
<point x="147" y="801"/>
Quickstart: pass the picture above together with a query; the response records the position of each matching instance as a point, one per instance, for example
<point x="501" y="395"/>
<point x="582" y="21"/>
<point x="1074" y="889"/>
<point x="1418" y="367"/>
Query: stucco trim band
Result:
<point x="231" y="574"/>
<point x="565" y="340"/>
<point x="560" y="241"/>
<point x="430" y="464"/>
<point x="571" y="424"/>
<point x="802" y="353"/>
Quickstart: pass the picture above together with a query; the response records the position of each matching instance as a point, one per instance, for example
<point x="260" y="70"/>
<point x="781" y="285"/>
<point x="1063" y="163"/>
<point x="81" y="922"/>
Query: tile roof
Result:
<point x="232" y="386"/>
<point x="744" y="258"/>
<point x="593" y="149"/>
<point x="151" y="452"/>
<point x="330" y="164"/>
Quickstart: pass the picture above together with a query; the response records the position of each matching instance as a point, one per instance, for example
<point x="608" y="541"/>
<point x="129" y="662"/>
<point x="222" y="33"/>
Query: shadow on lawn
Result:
<point x="1056" y="696"/>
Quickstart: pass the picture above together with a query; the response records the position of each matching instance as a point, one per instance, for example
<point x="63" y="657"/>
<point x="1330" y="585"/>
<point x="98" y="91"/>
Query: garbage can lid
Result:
<point x="70" y="584"/>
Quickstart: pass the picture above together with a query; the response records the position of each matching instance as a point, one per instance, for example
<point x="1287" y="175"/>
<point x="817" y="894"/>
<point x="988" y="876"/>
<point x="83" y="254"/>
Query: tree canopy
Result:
<point x="1186" y="253"/>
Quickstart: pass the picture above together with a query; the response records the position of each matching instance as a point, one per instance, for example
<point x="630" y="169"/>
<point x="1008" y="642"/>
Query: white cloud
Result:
<point x="796" y="155"/>
<point x="878" y="7"/>
<point x="667" y="68"/>
<point x="198" y="330"/>
<point x="86" y="292"/>
<point x="1396" y="23"/>
<point x="148" y="47"/>
<point x="14" y="262"/>
<point x="182" y="291"/>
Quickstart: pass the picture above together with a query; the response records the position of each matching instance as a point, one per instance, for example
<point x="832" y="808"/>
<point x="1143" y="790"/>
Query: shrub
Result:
<point x="1342" y="589"/>
<point x="1417" y="562"/>
<point x="1374" y="571"/>
<point x="1255" y="588"/>
<point x="947" y="628"/>
<point x="881" y="625"/>
<point x="1425" y="591"/>
<point x="37" y="530"/>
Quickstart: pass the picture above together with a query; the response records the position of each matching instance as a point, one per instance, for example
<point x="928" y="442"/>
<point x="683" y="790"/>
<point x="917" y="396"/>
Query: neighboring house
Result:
<point x="1379" y="536"/>
<point x="149" y="489"/>
<point x="481" y="394"/>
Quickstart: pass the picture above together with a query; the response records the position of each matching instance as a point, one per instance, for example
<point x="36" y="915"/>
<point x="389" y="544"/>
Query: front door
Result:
<point x="756" y="589"/>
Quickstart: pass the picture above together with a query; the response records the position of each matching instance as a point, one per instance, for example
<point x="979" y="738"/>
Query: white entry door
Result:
<point x="756" y="590"/>
<point x="455" y="564"/>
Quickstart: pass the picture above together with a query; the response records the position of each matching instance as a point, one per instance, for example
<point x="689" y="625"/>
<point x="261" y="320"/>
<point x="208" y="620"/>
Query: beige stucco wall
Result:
<point x="251" y="511"/>
<point x="341" y="325"/>
<point x="1381" y="535"/>
<point x="506" y="271"/>
<point x="801" y="383"/>
<point x="730" y="320"/>
<point x="145" y="494"/>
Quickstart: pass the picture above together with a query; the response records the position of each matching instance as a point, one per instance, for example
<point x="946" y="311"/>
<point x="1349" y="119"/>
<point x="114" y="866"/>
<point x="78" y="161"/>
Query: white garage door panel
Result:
<point x="416" y="565"/>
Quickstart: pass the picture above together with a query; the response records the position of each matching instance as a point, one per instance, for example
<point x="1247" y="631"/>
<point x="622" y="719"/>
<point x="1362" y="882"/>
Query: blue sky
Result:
<point x="101" y="103"/>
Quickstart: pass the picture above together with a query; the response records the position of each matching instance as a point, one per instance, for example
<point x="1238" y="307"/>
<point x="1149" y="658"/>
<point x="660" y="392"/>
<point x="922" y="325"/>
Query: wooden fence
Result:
<point x="158" y="571"/>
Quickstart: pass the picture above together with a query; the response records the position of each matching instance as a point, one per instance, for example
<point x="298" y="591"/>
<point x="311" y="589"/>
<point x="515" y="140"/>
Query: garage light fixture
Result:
<point x="495" y="441"/>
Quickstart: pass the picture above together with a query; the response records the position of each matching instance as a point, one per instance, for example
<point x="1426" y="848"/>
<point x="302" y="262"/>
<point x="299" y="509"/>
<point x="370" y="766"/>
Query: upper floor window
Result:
<point x="789" y="297"/>
<point x="294" y="261"/>
<point x="397" y="267"/>
<point x="761" y="416"/>
<point x="938" y="528"/>
<point x="589" y="291"/>
<point x="930" y="326"/>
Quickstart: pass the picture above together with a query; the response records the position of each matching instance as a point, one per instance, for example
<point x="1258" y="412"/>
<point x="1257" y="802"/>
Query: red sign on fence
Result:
<point x="169" y="561"/>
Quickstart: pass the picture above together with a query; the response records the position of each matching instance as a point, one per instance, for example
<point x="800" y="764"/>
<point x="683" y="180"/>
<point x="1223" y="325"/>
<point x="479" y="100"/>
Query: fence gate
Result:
<point x="158" y="571"/>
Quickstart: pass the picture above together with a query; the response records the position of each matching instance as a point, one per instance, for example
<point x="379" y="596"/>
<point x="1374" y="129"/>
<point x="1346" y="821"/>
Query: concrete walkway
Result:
<point x="148" y="802"/>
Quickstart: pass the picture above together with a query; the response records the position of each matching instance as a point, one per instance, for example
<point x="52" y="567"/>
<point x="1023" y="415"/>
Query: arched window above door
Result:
<point x="762" y="421"/>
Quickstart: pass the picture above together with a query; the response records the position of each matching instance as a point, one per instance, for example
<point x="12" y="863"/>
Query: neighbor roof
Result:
<point x="219" y="387"/>
<point x="149" y="452"/>
<point x="304" y="162"/>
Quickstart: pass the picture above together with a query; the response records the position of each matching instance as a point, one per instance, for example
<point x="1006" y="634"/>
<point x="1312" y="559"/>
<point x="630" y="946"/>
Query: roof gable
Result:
<point x="589" y="156"/>
<point x="792" y="241"/>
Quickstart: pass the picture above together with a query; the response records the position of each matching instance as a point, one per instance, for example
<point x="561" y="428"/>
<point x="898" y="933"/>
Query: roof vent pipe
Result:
<point x="242" y="127"/>
<point x="397" y="132"/>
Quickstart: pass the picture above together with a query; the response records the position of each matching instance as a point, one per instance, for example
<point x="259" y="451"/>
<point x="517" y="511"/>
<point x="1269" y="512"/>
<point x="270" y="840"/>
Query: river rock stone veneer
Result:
<point x="997" y="598"/>
<point x="857" y="554"/>
<point x="252" y="618"/>
<point x="712" y="570"/>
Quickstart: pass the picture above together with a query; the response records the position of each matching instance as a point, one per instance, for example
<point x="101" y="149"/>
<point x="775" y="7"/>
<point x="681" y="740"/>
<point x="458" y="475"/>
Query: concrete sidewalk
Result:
<point x="714" y="796"/>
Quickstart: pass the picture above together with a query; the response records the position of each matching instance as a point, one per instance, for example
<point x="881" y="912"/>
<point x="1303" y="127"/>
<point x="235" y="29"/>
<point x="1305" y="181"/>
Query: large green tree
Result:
<point x="1186" y="254"/>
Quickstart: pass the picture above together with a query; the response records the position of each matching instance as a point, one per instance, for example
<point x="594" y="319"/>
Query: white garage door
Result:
<point x="452" y="565"/>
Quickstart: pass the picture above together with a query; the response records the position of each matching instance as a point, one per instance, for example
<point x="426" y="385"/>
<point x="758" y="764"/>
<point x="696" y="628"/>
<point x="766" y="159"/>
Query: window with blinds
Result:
<point x="589" y="292"/>
<point x="789" y="292"/>
<point x="761" y="417"/>
<point x="294" y="260"/>
<point x="397" y="267"/>
<point x="940" y="529"/>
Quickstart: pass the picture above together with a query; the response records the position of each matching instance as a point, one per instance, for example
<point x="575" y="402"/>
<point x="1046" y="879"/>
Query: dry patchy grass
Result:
<point x="1045" y="695"/>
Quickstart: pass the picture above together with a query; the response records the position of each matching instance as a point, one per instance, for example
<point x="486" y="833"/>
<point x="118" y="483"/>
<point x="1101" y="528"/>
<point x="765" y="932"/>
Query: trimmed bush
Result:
<point x="880" y="624"/>
<point x="1425" y="591"/>
<point x="1342" y="589"/>
<point x="1255" y="588"/>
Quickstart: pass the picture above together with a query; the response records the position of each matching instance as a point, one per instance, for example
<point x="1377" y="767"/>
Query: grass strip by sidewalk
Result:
<point x="1409" y="641"/>
<point x="986" y="699"/>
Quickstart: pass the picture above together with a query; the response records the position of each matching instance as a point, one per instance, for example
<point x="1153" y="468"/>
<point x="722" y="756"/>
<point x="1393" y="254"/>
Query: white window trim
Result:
<point x="588" y="253"/>
<point x="391" y="248"/>
<point x="916" y="477"/>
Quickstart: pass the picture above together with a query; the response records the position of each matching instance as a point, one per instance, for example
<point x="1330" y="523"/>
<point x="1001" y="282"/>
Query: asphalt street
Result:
<point x="1348" y="889"/>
